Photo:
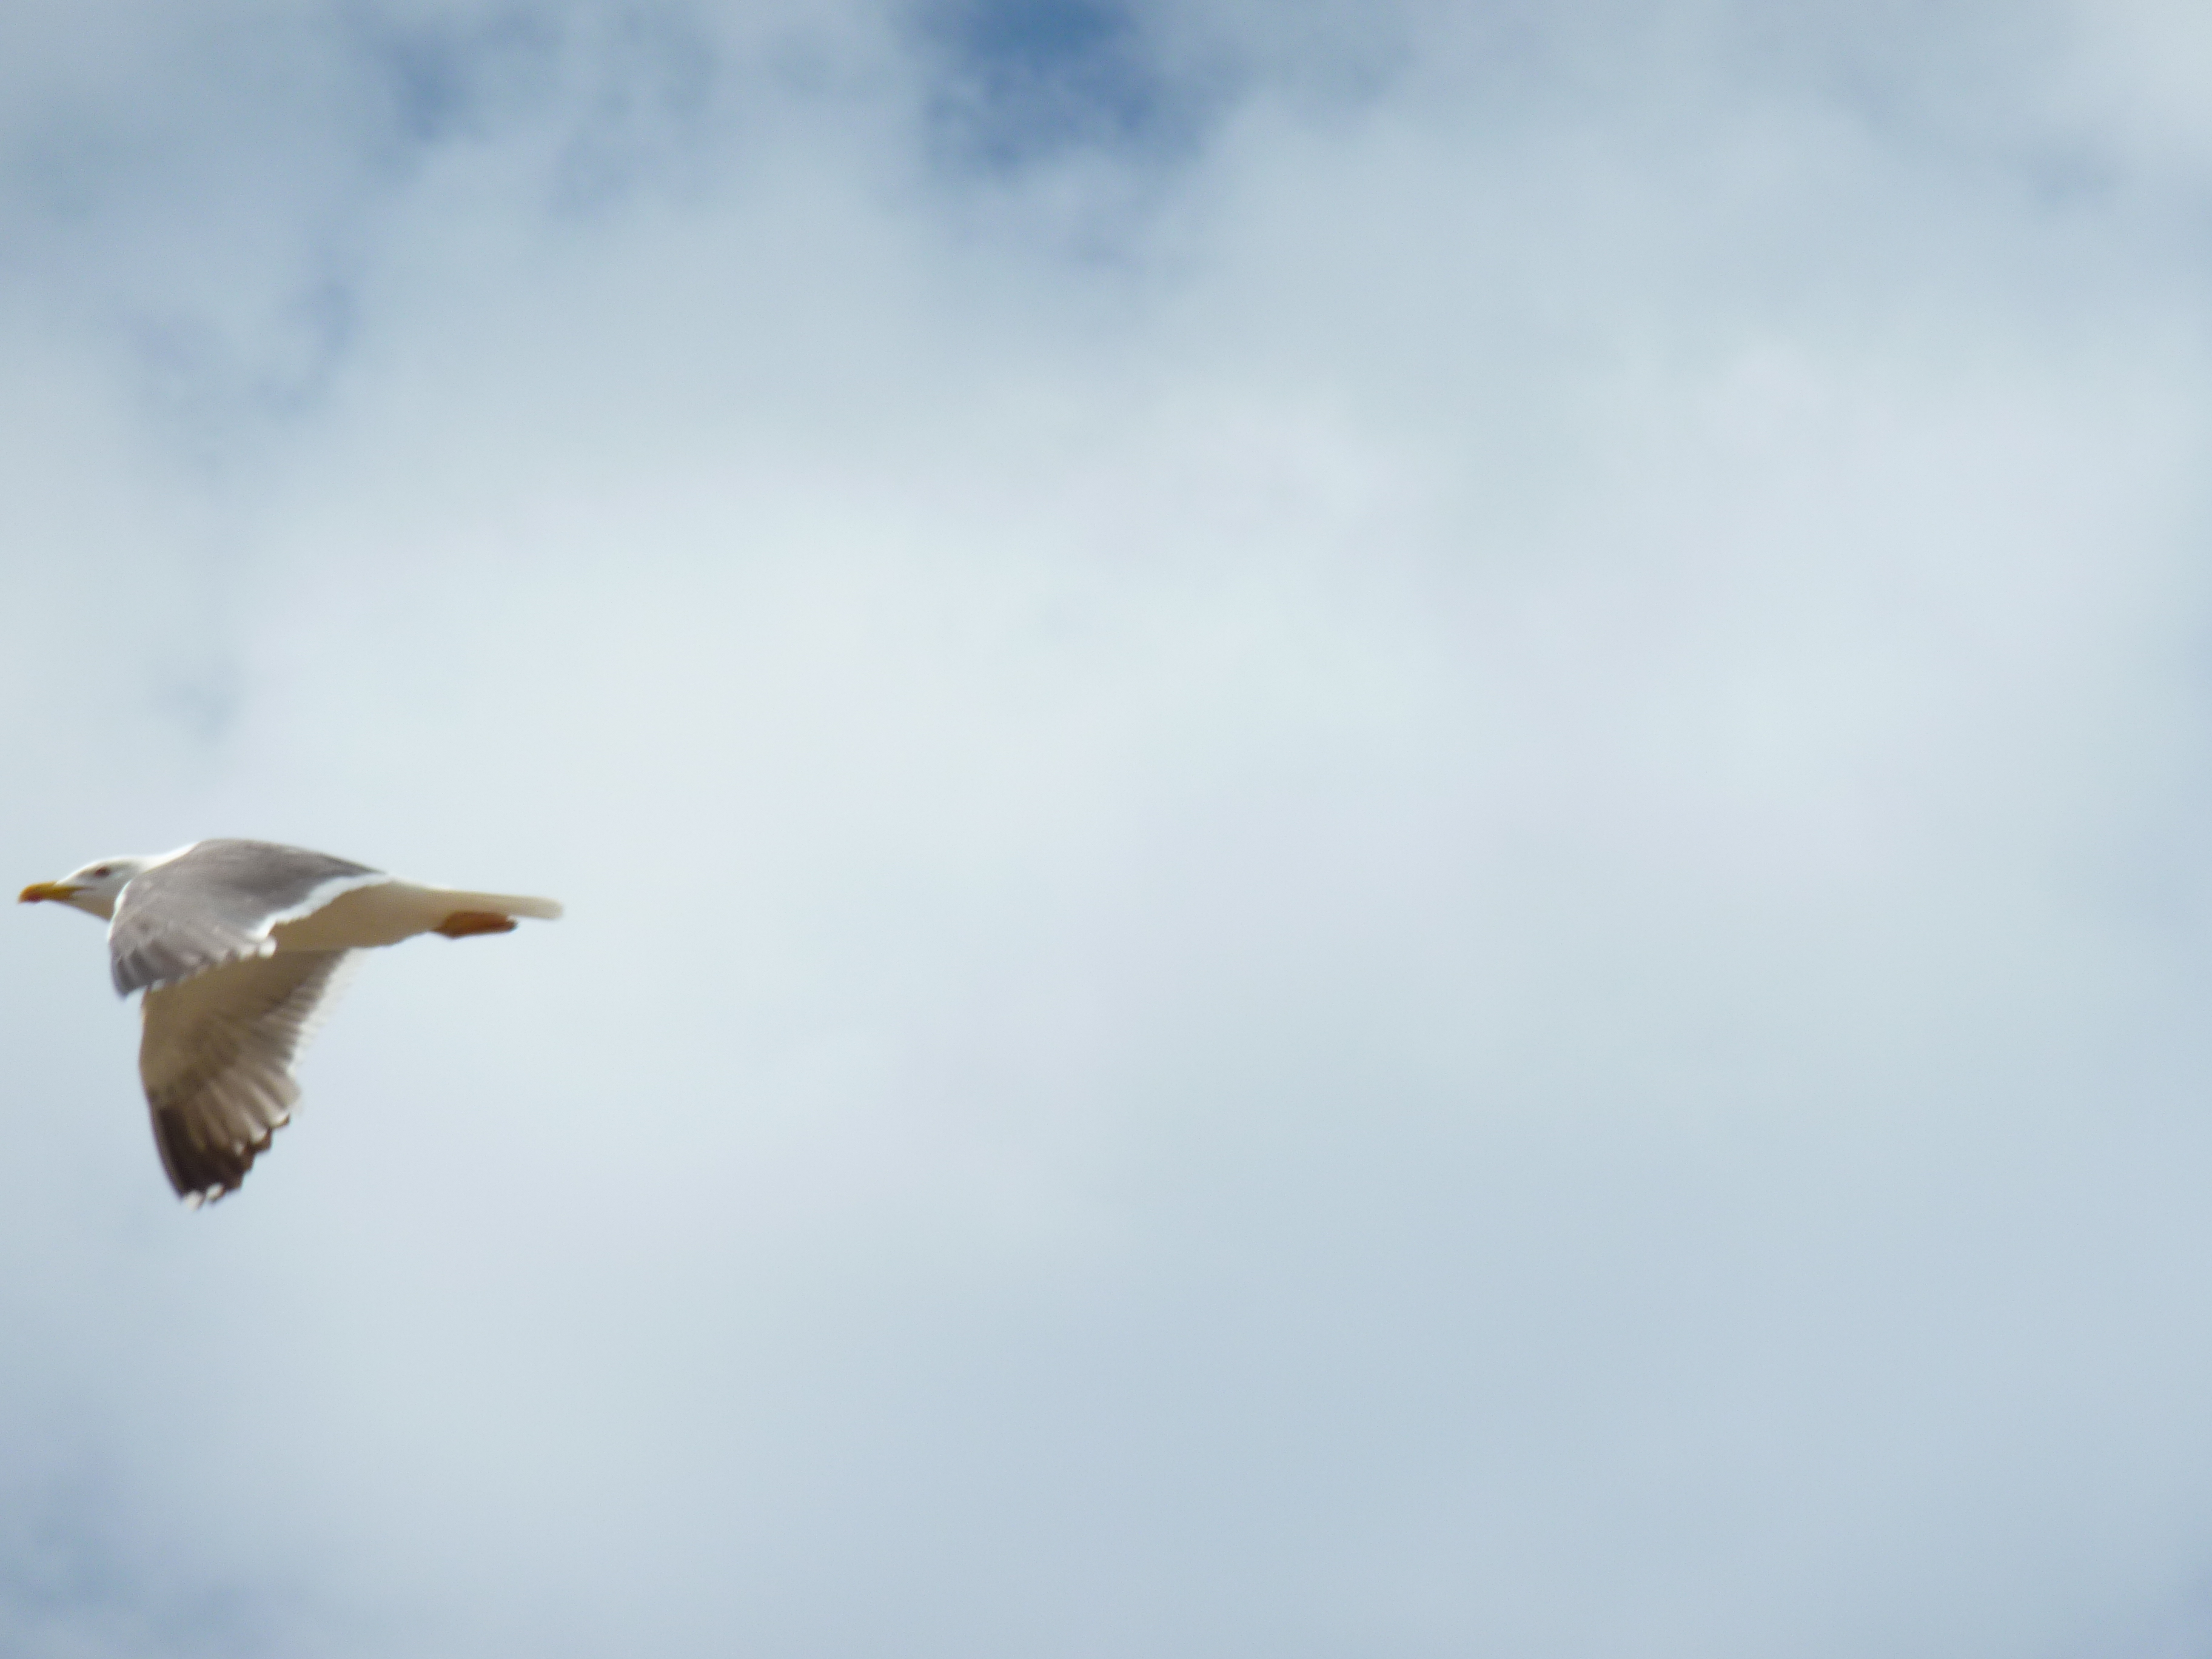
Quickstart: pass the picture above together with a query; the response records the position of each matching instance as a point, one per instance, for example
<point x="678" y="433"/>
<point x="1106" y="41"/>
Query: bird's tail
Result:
<point x="502" y="904"/>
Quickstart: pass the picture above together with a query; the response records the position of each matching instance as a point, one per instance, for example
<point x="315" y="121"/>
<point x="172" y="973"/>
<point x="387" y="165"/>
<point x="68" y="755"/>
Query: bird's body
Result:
<point x="239" y="946"/>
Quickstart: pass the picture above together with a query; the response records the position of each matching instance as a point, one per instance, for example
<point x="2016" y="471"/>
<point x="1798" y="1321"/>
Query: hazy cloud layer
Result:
<point x="1384" y="827"/>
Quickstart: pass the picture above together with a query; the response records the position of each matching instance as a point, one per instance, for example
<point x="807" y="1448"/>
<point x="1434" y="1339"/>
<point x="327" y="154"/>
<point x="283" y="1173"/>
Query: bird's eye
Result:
<point x="104" y="872"/>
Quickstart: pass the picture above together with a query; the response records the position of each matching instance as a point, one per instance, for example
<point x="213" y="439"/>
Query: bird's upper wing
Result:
<point x="216" y="1059"/>
<point x="215" y="902"/>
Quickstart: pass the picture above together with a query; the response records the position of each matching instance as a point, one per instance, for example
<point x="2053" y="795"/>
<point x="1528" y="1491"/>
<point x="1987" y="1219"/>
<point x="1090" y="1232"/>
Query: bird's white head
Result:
<point x="93" y="890"/>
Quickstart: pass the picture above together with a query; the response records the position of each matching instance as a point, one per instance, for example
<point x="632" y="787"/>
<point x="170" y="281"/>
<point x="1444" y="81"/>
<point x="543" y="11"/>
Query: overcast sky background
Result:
<point x="1387" y="826"/>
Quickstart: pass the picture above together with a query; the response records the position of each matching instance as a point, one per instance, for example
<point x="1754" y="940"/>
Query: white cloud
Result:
<point x="1420" y="877"/>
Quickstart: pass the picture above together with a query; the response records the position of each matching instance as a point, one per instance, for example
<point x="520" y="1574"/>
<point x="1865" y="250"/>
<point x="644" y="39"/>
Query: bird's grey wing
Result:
<point x="216" y="903"/>
<point x="217" y="1061"/>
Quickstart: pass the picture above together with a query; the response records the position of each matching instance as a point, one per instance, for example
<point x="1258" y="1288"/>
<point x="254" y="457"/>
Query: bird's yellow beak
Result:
<point x="44" y="889"/>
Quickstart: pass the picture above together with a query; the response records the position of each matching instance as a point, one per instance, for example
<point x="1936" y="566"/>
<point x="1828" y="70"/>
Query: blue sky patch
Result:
<point x="1022" y="79"/>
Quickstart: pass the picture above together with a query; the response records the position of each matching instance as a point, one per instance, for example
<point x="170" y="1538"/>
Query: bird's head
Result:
<point x="93" y="890"/>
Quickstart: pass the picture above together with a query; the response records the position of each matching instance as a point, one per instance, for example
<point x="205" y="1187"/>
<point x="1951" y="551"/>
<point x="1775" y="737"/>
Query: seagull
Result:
<point x="239" y="946"/>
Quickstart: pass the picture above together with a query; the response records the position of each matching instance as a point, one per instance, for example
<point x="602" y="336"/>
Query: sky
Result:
<point x="1385" y="826"/>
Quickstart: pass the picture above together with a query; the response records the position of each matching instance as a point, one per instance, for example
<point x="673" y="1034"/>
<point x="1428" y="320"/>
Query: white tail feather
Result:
<point x="504" y="904"/>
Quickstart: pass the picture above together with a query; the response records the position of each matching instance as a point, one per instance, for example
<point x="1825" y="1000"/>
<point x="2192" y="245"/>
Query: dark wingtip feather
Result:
<point x="200" y="1171"/>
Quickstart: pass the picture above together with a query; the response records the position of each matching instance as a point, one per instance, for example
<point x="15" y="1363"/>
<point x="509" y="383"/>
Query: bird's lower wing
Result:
<point x="217" y="1061"/>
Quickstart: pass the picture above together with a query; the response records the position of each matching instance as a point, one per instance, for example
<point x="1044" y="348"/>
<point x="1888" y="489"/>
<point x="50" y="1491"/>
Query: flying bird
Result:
<point x="239" y="946"/>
